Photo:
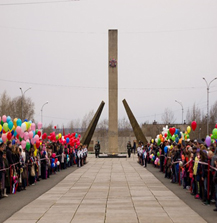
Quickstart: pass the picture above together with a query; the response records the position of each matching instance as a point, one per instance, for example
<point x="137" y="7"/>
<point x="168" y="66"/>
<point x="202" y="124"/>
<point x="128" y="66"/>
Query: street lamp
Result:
<point x="23" y="93"/>
<point x="179" y="102"/>
<point x="208" y="85"/>
<point x="42" y="115"/>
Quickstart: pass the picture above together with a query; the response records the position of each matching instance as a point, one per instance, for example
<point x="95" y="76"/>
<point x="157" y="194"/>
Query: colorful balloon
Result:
<point x="208" y="141"/>
<point x="5" y="127"/>
<point x="39" y="125"/>
<point x="23" y="127"/>
<point x="19" y="122"/>
<point x="193" y="125"/>
<point x="4" y="118"/>
<point x="33" y="126"/>
<point x="188" y="129"/>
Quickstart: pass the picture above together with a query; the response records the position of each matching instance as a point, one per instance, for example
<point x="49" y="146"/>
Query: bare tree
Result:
<point x="194" y="114"/>
<point x="13" y="107"/>
<point x="213" y="113"/>
<point x="87" y="119"/>
<point x="48" y="129"/>
<point x="4" y="103"/>
<point x="168" y="116"/>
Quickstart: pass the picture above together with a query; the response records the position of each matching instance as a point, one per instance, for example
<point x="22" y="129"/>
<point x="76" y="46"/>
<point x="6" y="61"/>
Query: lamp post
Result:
<point x="42" y="115"/>
<point x="208" y="85"/>
<point x="23" y="93"/>
<point x="179" y="102"/>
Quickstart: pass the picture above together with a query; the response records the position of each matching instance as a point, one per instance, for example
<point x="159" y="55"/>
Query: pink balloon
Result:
<point x="36" y="137"/>
<point x="4" y="118"/>
<point x="18" y="130"/>
<point x="30" y="134"/>
<point x="28" y="141"/>
<point x="23" y="144"/>
<point x="33" y="126"/>
<point x="26" y="135"/>
<point x="4" y="137"/>
<point x="21" y="134"/>
<point x="39" y="125"/>
<point x="0" y="118"/>
<point x="32" y="141"/>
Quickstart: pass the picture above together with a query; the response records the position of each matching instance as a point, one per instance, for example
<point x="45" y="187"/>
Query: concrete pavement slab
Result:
<point x="104" y="191"/>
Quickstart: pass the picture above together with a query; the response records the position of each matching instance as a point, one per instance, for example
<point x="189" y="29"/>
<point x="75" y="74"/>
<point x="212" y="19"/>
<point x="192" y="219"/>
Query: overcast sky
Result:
<point x="60" y="49"/>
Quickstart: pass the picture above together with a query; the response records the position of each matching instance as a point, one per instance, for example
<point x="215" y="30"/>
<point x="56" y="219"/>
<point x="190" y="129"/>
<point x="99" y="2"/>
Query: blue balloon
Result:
<point x="13" y="142"/>
<point x="25" y="120"/>
<point x="30" y="121"/>
<point x="153" y="157"/>
<point x="67" y="140"/>
<point x="165" y="149"/>
<point x="53" y="160"/>
<point x="8" y="119"/>
<point x="53" y="165"/>
<point x="177" y="139"/>
<point x="180" y="135"/>
<point x="76" y="135"/>
<point x="19" y="122"/>
<point x="15" y="133"/>
<point x="177" y="132"/>
<point x="1" y="140"/>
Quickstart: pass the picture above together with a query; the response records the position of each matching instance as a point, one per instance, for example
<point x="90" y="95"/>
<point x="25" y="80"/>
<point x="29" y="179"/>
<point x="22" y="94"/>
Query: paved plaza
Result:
<point x="107" y="190"/>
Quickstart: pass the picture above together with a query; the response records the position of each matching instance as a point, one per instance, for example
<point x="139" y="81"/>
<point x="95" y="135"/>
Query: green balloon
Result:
<point x="27" y="146"/>
<point x="20" y="139"/>
<point x="158" y="154"/>
<point x="173" y="138"/>
<point x="57" y="137"/>
<point x="36" y="131"/>
<point x="214" y="133"/>
<point x="187" y="136"/>
<point x="2" y="123"/>
<point x="212" y="137"/>
<point x="5" y="126"/>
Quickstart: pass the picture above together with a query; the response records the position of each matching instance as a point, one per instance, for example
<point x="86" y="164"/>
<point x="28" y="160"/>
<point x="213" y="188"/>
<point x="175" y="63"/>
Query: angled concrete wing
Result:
<point x="92" y="126"/>
<point x="136" y="128"/>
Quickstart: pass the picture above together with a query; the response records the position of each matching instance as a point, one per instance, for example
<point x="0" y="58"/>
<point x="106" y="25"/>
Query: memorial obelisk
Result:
<point x="113" y="92"/>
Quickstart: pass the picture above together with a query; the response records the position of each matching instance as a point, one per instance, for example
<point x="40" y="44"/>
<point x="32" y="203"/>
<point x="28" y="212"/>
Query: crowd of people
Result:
<point x="20" y="168"/>
<point x="190" y="163"/>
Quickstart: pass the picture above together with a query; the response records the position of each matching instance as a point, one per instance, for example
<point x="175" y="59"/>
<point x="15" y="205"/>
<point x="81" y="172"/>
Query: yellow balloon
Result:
<point x="15" y="122"/>
<point x="60" y="135"/>
<point x="152" y="140"/>
<point x="188" y="129"/>
<point x="35" y="152"/>
<point x="0" y="128"/>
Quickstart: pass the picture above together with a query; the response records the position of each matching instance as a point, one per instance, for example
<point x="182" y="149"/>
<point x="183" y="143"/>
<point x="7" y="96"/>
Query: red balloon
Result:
<point x="165" y="135"/>
<point x="172" y="131"/>
<point x="216" y="126"/>
<point x="37" y="144"/>
<point x="39" y="133"/>
<point x="55" y="127"/>
<point x="9" y="135"/>
<point x="44" y="136"/>
<point x="193" y="125"/>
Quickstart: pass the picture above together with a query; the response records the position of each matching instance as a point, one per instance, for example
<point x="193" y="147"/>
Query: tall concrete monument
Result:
<point x="113" y="92"/>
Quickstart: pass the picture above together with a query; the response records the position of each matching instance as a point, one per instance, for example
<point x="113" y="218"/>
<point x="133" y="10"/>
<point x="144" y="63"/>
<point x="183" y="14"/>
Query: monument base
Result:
<point x="112" y="155"/>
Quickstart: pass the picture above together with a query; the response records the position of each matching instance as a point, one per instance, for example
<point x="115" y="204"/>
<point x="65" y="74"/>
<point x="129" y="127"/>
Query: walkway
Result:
<point x="108" y="190"/>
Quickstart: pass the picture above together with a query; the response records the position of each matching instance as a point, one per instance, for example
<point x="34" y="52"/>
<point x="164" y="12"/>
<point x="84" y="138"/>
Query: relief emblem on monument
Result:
<point x="112" y="63"/>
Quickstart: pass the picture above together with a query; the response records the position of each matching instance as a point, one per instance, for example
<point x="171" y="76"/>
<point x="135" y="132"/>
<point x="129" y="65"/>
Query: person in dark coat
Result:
<point x="129" y="149"/>
<point x="97" y="149"/>
<point x="9" y="153"/>
<point x="1" y="167"/>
